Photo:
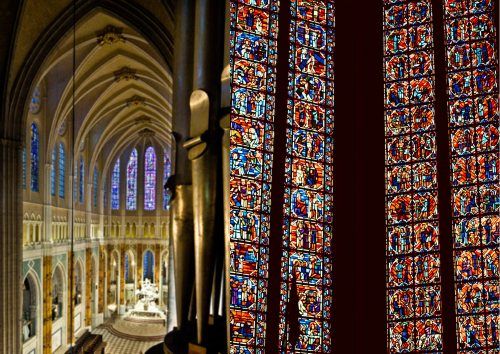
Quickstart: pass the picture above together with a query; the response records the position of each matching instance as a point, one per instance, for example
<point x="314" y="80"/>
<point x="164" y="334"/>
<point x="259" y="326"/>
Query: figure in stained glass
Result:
<point x="252" y="20"/>
<point x="250" y="46"/>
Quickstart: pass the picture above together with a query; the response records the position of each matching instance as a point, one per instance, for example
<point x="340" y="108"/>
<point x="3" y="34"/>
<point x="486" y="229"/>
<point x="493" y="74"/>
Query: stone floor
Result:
<point x="130" y="337"/>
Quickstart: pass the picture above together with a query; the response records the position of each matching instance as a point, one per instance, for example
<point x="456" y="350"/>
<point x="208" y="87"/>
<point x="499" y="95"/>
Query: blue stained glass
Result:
<point x="81" y="180"/>
<point x="148" y="263"/>
<point x="62" y="170"/>
<point x="23" y="157"/>
<point x="150" y="179"/>
<point x="126" y="263"/>
<point x="53" y="173"/>
<point x="166" y="174"/>
<point x="35" y="151"/>
<point x="115" y="186"/>
<point x="132" y="181"/>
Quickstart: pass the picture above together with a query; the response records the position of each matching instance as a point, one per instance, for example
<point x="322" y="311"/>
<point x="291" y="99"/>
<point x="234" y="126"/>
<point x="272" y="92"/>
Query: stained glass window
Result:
<point x="412" y="246"/>
<point x="95" y="187"/>
<point x="472" y="76"/>
<point x="253" y="65"/>
<point x="132" y="181"/>
<point x="35" y="151"/>
<point x="115" y="186"/>
<point x="81" y="181"/>
<point x="150" y="179"/>
<point x="167" y="165"/>
<point x="62" y="170"/>
<point x="148" y="264"/>
<point x="307" y="254"/>
<point x="53" y="172"/>
<point x="23" y="157"/>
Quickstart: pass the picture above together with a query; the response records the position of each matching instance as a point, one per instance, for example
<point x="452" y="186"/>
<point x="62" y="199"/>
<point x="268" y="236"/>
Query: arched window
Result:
<point x="62" y="170"/>
<point x="95" y="186"/>
<point x="35" y="151"/>
<point x="132" y="181"/>
<point x="53" y="173"/>
<point x="150" y="179"/>
<point x="81" y="181"/>
<point x="472" y="77"/>
<point x="167" y="166"/>
<point x="115" y="186"/>
<point x="148" y="265"/>
<point x="298" y="116"/>
<point x="23" y="157"/>
<point x="413" y="258"/>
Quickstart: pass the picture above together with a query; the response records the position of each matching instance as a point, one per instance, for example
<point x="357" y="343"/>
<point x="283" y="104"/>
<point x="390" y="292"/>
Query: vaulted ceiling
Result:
<point x="122" y="89"/>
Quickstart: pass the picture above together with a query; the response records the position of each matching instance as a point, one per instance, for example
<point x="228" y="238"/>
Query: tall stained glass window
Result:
<point x="167" y="166"/>
<point x="412" y="240"/>
<point x="148" y="264"/>
<point x="307" y="254"/>
<point x="132" y="181"/>
<point x="95" y="187"/>
<point x="62" y="170"/>
<point x="81" y="181"/>
<point x="150" y="179"/>
<point x="253" y="66"/>
<point x="35" y="158"/>
<point x="115" y="186"/>
<point x="23" y="157"/>
<point x="53" y="172"/>
<point x="473" y="130"/>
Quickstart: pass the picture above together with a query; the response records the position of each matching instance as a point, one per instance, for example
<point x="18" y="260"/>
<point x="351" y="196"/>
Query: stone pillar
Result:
<point x="10" y="246"/>
<point x="71" y="305"/>
<point x="47" y="304"/>
<point x="103" y="280"/>
<point x="88" y="286"/>
<point x="47" y="208"/>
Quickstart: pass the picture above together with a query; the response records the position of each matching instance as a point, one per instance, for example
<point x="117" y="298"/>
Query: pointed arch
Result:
<point x="132" y="181"/>
<point x="35" y="157"/>
<point x="150" y="179"/>
<point x="62" y="170"/>
<point x="115" y="186"/>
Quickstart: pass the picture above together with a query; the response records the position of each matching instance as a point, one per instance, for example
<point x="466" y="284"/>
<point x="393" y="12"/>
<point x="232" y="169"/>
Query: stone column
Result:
<point x="10" y="246"/>
<point x="47" y="304"/>
<point x="47" y="208"/>
<point x="88" y="286"/>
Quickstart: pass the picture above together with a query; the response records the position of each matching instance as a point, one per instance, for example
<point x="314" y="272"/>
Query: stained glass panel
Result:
<point x="148" y="264"/>
<point x="115" y="186"/>
<point x="132" y="181"/>
<point x="471" y="48"/>
<point x="34" y="157"/>
<point x="81" y="181"/>
<point x="413" y="292"/>
<point x="53" y="172"/>
<point x="306" y="262"/>
<point x="167" y="166"/>
<point x="253" y="68"/>
<point x="150" y="179"/>
<point x="23" y="157"/>
<point x="62" y="170"/>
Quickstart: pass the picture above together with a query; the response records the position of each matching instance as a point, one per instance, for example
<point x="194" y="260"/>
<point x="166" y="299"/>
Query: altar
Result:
<point x="146" y="309"/>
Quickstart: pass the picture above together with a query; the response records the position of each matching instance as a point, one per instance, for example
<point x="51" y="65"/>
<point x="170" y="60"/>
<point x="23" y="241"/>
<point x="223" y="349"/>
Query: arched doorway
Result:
<point x="148" y="263"/>
<point x="78" y="296"/>
<point x="31" y="314"/>
<point x="58" y="308"/>
<point x="113" y="292"/>
<point x="164" y="279"/>
<point x="130" y="278"/>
